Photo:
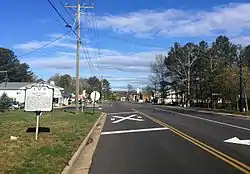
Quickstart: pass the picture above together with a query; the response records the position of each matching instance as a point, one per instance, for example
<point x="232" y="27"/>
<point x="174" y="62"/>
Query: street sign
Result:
<point x="39" y="97"/>
<point x="95" y="95"/>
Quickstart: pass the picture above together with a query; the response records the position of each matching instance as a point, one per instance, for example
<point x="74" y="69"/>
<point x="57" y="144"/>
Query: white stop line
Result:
<point x="130" y="117"/>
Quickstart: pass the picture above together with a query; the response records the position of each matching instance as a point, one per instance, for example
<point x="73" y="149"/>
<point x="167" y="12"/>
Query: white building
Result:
<point x="16" y="91"/>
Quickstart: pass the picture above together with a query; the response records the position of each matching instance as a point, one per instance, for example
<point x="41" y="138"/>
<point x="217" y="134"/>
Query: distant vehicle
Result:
<point x="140" y="101"/>
<point x="15" y="105"/>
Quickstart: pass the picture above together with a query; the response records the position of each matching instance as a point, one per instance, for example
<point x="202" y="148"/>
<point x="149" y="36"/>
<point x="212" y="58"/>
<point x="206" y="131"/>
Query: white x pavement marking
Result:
<point x="126" y="118"/>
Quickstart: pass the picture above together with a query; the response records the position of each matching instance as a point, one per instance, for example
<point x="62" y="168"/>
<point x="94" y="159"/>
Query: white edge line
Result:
<point x="205" y="119"/>
<point x="234" y="116"/>
<point x="135" y="130"/>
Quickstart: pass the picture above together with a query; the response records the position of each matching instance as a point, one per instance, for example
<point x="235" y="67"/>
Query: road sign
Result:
<point x="39" y="97"/>
<point x="95" y="95"/>
<point x="84" y="93"/>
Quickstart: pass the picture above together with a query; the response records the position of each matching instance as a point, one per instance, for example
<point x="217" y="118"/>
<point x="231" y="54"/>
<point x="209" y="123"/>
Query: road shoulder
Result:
<point x="81" y="160"/>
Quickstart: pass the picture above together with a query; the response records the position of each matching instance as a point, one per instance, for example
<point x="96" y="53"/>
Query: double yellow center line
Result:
<point x="233" y="162"/>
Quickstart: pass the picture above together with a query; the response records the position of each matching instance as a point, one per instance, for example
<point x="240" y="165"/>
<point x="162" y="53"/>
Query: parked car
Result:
<point x="16" y="105"/>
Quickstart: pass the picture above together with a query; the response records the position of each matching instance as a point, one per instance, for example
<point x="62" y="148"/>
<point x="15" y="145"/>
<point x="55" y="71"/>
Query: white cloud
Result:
<point x="138" y="62"/>
<point x="231" y="18"/>
<point x="31" y="45"/>
<point x="121" y="69"/>
<point x="244" y="40"/>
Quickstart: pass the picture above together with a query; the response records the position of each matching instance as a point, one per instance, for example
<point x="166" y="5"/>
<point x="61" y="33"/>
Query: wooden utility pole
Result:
<point x="6" y="77"/>
<point x="78" y="7"/>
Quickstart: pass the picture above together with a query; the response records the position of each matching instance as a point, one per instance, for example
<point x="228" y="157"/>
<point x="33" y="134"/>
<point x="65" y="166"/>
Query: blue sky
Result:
<point x="130" y="34"/>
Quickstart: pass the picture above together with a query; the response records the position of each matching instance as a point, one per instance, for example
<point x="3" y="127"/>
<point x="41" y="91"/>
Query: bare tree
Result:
<point x="160" y="75"/>
<point x="130" y="90"/>
<point x="180" y="62"/>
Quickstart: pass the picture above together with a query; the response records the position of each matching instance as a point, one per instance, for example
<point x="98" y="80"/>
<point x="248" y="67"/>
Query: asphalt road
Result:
<point x="156" y="140"/>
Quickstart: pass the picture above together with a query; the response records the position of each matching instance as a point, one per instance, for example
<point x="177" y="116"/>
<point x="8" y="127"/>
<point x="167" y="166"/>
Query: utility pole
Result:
<point x="188" y="83"/>
<point x="78" y="7"/>
<point x="241" y="86"/>
<point x="102" y="90"/>
<point x="6" y="77"/>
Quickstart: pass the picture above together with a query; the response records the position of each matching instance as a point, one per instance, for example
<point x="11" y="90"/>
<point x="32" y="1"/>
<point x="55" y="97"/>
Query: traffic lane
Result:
<point x="116" y="107"/>
<point x="209" y="133"/>
<point x="127" y="121"/>
<point x="240" y="121"/>
<point x="153" y="152"/>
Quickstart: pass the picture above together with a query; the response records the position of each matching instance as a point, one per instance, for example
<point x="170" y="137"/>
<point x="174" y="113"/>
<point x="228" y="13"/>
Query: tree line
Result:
<point x="203" y="75"/>
<point x="89" y="84"/>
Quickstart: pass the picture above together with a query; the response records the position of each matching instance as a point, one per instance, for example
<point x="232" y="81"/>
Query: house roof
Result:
<point x="14" y="85"/>
<point x="18" y="85"/>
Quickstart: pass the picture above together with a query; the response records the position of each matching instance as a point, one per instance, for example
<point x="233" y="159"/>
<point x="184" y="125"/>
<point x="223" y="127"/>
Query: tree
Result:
<point x="66" y="82"/>
<point x="148" y="90"/>
<point x="94" y="84"/>
<point x="246" y="56"/>
<point x="196" y="70"/>
<point x="17" y="72"/>
<point x="63" y="81"/>
<point x="180" y="62"/>
<point x="160" y="75"/>
<point x="106" y="89"/>
<point x="130" y="91"/>
<point x="5" y="102"/>
<point x="56" y="79"/>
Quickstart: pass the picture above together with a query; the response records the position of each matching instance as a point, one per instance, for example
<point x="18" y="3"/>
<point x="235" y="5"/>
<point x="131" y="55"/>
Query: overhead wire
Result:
<point x="67" y="11"/>
<point x="86" y="52"/>
<point x="67" y="24"/>
<point x="91" y="27"/>
<point x="45" y="45"/>
<point x="91" y="32"/>
<point x="97" y="39"/>
<point x="88" y="28"/>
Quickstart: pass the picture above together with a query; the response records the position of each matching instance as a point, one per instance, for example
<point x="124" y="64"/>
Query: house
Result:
<point x="16" y="91"/>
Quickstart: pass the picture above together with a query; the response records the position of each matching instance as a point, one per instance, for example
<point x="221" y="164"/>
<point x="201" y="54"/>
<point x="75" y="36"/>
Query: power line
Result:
<point x="67" y="24"/>
<point x="45" y="45"/>
<point x="84" y="47"/>
<point x="67" y="11"/>
<point x="87" y="59"/>
<point x="92" y="33"/>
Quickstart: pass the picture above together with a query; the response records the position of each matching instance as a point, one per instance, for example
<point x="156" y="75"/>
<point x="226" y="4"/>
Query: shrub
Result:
<point x="5" y="102"/>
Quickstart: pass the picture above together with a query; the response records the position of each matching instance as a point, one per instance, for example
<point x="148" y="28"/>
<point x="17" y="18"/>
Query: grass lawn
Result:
<point x="52" y="150"/>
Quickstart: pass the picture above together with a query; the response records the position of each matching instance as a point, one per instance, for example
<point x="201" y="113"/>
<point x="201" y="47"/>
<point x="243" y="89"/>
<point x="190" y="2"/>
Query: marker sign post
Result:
<point x="95" y="96"/>
<point x="38" y="99"/>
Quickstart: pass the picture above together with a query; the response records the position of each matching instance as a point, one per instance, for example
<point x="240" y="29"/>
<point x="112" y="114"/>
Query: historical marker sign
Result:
<point x="39" y="97"/>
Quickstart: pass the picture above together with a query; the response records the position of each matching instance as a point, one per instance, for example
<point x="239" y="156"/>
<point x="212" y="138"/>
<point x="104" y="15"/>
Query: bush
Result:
<point x="5" y="102"/>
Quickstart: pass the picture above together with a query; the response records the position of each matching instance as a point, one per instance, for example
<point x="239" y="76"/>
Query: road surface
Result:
<point x="146" y="139"/>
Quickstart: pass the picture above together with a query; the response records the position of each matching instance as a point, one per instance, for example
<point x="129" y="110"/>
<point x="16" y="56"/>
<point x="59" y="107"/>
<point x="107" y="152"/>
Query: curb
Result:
<point x="73" y="159"/>
<point x="211" y="112"/>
